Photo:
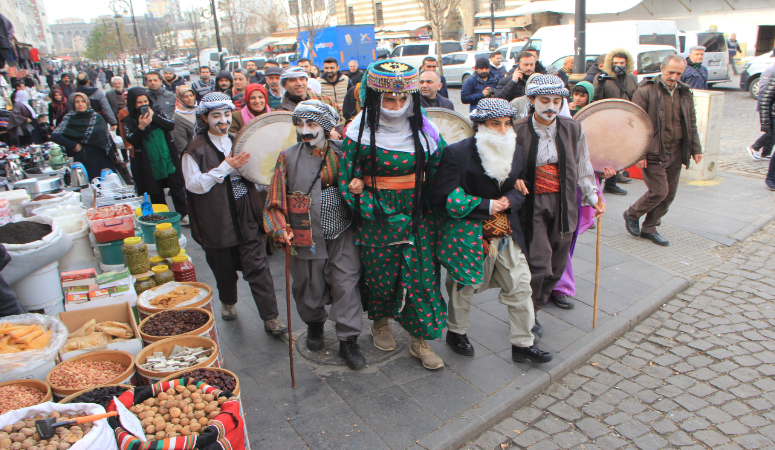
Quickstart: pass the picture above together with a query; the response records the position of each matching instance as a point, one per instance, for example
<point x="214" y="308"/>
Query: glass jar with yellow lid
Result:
<point x="166" y="237"/>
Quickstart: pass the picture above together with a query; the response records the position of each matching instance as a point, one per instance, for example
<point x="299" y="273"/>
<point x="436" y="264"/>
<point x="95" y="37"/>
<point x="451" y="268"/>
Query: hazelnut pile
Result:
<point x="16" y="396"/>
<point x="84" y="373"/>
<point x="182" y="411"/>
<point x="22" y="434"/>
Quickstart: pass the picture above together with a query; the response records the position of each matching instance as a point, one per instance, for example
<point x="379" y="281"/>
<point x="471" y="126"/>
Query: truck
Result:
<point x="344" y="42"/>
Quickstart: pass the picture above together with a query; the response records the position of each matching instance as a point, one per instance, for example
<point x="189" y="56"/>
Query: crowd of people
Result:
<point x="372" y="199"/>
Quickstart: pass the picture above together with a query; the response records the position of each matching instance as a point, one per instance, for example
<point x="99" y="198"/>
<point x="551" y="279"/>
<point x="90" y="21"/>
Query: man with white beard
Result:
<point x="482" y="245"/>
<point x="557" y="164"/>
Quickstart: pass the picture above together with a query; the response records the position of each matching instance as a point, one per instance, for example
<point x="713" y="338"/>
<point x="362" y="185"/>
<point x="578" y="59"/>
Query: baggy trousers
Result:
<point x="332" y="281"/>
<point x="509" y="272"/>
<point x="250" y="258"/>
<point x="549" y="249"/>
<point x="662" y="182"/>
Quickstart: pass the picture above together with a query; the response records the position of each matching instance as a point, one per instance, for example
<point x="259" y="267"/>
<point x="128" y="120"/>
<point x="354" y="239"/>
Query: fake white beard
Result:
<point x="496" y="151"/>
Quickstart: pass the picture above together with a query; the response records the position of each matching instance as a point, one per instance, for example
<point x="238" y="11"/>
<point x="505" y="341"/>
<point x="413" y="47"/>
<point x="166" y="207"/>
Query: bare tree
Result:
<point x="240" y="21"/>
<point x="192" y="17"/>
<point x="311" y="17"/>
<point x="438" y="13"/>
<point x="271" y="15"/>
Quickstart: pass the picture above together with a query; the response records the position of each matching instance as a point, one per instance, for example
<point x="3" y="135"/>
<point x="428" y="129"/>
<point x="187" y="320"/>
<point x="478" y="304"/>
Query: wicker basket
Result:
<point x="205" y="303"/>
<point x="205" y="330"/>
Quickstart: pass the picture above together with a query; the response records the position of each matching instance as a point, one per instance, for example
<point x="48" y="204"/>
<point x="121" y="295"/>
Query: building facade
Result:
<point x="70" y="36"/>
<point x="30" y="23"/>
<point x="160" y="8"/>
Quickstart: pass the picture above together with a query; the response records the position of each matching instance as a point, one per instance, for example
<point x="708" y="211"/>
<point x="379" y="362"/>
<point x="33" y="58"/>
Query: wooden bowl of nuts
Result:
<point x="206" y="302"/>
<point x="153" y="362"/>
<point x="17" y="394"/>
<point x="91" y="370"/>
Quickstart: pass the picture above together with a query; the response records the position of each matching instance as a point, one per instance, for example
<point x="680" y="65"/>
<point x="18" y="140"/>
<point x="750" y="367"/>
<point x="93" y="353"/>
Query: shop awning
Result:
<point x="290" y="40"/>
<point x="390" y="35"/>
<point x="565" y="7"/>
<point x="488" y="30"/>
<point x="263" y="43"/>
<point x="409" y="26"/>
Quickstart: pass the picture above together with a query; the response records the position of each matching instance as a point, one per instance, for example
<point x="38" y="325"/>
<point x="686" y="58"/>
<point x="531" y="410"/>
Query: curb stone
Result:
<point x="487" y="413"/>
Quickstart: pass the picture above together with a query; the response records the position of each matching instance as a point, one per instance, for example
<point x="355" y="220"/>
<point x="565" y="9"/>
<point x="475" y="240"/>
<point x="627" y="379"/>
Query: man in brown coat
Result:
<point x="670" y="105"/>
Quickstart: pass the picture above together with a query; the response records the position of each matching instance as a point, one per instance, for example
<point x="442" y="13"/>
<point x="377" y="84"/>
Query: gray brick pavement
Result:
<point x="697" y="373"/>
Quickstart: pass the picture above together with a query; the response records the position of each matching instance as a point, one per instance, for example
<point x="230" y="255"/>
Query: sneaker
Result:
<point x="767" y="156"/>
<point x="770" y="184"/>
<point x="228" y="312"/>
<point x="184" y="221"/>
<point x="754" y="154"/>
<point x="274" y="326"/>
<point x="383" y="336"/>
<point x="615" y="190"/>
<point x="424" y="352"/>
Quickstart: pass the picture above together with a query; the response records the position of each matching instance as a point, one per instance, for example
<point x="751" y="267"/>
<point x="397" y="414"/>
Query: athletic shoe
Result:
<point x="754" y="154"/>
<point x="770" y="185"/>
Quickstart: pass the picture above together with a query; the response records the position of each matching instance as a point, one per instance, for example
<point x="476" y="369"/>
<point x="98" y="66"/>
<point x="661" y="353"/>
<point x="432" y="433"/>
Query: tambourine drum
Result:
<point x="454" y="127"/>
<point x="264" y="138"/>
<point x="618" y="132"/>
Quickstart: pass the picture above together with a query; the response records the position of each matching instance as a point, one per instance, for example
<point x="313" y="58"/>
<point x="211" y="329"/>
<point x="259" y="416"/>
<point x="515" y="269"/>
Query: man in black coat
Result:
<point x="430" y="83"/>
<point x="512" y="85"/>
<point x="595" y="69"/>
<point x="482" y="245"/>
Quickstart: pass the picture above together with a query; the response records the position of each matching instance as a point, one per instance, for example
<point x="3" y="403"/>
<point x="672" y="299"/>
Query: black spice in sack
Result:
<point x="23" y="232"/>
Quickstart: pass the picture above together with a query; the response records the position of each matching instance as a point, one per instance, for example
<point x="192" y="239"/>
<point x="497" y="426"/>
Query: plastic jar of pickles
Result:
<point x="135" y="253"/>
<point x="162" y="275"/>
<point x="159" y="261"/>
<point x="143" y="284"/>
<point x="166" y="237"/>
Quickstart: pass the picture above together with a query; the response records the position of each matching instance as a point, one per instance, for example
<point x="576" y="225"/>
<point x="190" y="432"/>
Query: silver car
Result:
<point x="459" y="66"/>
<point x="181" y="70"/>
<point x="752" y="70"/>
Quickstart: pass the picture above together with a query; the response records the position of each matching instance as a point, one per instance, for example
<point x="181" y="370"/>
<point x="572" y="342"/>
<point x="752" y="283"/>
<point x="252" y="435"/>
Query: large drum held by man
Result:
<point x="264" y="138"/>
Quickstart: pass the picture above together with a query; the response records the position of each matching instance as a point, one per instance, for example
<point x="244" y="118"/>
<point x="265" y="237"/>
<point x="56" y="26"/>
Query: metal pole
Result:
<point x="217" y="34"/>
<point x="492" y="26"/>
<point x="137" y="35"/>
<point x="120" y="44"/>
<point x="579" y="61"/>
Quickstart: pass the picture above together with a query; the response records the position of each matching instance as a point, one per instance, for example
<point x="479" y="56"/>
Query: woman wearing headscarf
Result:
<point x="184" y="117"/>
<point x="57" y="108"/>
<point x="23" y="127"/>
<point x="255" y="106"/>
<point x="85" y="137"/>
<point x="156" y="164"/>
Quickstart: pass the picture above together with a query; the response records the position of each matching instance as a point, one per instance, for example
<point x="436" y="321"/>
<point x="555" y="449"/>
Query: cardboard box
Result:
<point x="121" y="312"/>
<point x="129" y="296"/>
<point x="83" y="277"/>
<point x="77" y="298"/>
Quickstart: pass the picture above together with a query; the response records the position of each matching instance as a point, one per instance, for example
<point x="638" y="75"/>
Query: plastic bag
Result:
<point x="14" y="365"/>
<point x="99" y="437"/>
<point x="63" y="197"/>
<point x="27" y="258"/>
<point x="145" y="298"/>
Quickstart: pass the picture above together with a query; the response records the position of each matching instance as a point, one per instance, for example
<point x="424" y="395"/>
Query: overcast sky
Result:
<point x="89" y="9"/>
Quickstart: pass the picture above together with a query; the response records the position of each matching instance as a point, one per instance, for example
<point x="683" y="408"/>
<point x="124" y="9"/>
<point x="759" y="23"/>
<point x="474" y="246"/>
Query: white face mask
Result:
<point x="547" y="111"/>
<point x="219" y="122"/>
<point x="312" y="133"/>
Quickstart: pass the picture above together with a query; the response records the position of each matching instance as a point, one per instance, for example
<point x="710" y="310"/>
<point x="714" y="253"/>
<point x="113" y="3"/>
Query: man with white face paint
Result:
<point x="482" y="244"/>
<point x="226" y="212"/>
<point x="557" y="164"/>
<point x="325" y="264"/>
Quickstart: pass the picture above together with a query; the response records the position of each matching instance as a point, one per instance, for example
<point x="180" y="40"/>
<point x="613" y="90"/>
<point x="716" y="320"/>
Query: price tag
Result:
<point x="129" y="421"/>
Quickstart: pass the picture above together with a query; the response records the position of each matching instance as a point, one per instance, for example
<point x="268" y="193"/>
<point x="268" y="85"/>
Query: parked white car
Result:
<point x="752" y="70"/>
<point x="459" y="66"/>
<point x="414" y="53"/>
<point x="181" y="70"/>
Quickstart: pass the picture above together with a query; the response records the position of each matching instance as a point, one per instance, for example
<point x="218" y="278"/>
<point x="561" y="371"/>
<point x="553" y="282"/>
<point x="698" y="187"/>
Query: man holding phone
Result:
<point x="513" y="84"/>
<point x="479" y="85"/>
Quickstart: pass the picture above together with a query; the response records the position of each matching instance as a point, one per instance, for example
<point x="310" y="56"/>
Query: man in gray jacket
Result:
<point x="160" y="96"/>
<point x="97" y="99"/>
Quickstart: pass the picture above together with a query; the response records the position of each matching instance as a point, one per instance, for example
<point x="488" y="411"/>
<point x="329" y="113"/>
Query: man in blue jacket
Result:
<point x="696" y="75"/>
<point x="479" y="85"/>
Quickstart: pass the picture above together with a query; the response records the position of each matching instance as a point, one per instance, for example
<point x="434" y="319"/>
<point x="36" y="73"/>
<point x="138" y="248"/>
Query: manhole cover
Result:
<point x="329" y="355"/>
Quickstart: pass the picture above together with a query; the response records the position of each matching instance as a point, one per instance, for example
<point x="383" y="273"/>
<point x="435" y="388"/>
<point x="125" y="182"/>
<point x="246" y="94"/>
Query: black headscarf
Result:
<point x="85" y="127"/>
<point x="131" y="100"/>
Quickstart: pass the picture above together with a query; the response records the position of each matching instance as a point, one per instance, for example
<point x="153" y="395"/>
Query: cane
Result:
<point x="597" y="262"/>
<point x="288" y="304"/>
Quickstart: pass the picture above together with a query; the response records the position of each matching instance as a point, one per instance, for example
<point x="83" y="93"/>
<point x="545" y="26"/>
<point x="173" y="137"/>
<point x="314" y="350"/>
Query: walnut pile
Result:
<point x="182" y="411"/>
<point x="22" y="434"/>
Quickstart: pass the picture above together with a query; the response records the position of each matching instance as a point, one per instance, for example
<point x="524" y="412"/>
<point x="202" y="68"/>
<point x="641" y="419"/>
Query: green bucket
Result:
<point x="149" y="227"/>
<point x="111" y="252"/>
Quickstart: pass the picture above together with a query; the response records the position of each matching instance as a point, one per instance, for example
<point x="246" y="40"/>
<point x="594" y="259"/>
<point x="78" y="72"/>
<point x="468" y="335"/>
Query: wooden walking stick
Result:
<point x="597" y="261"/>
<point x="288" y="305"/>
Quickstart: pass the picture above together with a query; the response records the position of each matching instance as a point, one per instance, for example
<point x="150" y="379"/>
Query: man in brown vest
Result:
<point x="305" y="210"/>
<point x="557" y="164"/>
<point x="226" y="213"/>
<point x="670" y="105"/>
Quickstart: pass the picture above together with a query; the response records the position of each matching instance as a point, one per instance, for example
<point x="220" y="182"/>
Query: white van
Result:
<point x="509" y="52"/>
<point x="414" y="53"/>
<point x="211" y="57"/>
<point x="647" y="58"/>
<point x="557" y="41"/>
<point x="716" y="55"/>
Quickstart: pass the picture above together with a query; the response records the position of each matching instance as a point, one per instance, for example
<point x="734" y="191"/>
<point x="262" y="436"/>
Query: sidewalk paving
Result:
<point x="696" y="374"/>
<point x="397" y="404"/>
